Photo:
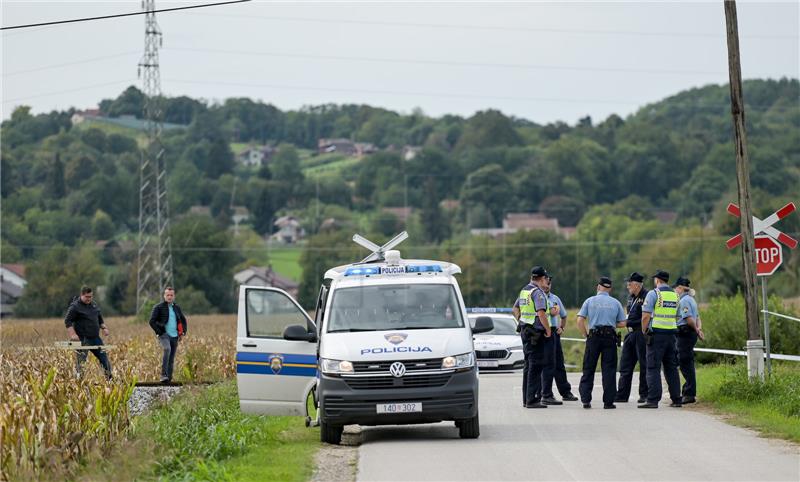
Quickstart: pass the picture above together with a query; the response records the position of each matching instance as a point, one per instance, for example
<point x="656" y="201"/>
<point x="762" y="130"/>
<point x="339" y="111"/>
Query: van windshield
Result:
<point x="394" y="307"/>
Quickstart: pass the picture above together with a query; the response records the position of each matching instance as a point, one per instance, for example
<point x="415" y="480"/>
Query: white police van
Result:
<point x="390" y="344"/>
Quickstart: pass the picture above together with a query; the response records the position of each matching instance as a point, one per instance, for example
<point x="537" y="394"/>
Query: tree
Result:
<point x="102" y="226"/>
<point x="56" y="187"/>
<point x="322" y="252"/>
<point x="55" y="278"/>
<point x="285" y="166"/>
<point x="129" y="102"/>
<point x="432" y="218"/>
<point x="488" y="186"/>
<point x="489" y="128"/>
<point x="203" y="258"/>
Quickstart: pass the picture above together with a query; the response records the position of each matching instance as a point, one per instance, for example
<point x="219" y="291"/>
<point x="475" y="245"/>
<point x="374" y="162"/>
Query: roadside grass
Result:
<point x="771" y="407"/>
<point x="202" y="435"/>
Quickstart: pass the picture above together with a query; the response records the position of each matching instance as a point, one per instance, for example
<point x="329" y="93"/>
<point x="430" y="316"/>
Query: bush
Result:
<point x="725" y="327"/>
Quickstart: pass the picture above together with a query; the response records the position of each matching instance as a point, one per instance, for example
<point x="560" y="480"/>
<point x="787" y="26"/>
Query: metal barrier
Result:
<point x="780" y="315"/>
<point x="776" y="356"/>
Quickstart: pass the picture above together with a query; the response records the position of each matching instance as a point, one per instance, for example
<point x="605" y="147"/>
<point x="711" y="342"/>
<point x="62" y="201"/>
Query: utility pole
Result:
<point x="154" y="260"/>
<point x="742" y="171"/>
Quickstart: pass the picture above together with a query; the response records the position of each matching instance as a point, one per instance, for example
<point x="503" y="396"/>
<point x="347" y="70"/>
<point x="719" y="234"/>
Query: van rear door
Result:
<point x="274" y="375"/>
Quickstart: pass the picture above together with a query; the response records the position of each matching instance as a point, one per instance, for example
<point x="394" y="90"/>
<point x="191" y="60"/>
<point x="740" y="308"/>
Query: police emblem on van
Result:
<point x="276" y="363"/>
<point x="395" y="338"/>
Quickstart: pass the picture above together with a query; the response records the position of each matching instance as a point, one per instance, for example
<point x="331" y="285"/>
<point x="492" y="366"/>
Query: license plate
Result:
<point x="390" y="270"/>
<point x="399" y="407"/>
<point x="488" y="363"/>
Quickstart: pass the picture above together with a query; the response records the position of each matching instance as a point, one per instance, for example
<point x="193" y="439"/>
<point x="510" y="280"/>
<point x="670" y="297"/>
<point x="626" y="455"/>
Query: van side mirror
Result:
<point x="482" y="325"/>
<point x="299" y="333"/>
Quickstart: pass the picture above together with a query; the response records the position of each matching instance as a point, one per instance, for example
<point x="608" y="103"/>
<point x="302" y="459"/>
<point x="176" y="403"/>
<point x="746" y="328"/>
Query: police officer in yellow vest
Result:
<point x="530" y="310"/>
<point x="659" y="323"/>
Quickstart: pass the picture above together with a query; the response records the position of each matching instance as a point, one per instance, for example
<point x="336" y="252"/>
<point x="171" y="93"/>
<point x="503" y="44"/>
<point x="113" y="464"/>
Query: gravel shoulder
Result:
<point x="338" y="463"/>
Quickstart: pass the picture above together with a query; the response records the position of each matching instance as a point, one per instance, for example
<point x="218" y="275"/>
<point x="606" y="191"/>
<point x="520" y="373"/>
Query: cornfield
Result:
<point x="49" y="420"/>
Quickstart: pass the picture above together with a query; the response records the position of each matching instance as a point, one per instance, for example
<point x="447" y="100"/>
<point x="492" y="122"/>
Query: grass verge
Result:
<point x="771" y="407"/>
<point x="202" y="435"/>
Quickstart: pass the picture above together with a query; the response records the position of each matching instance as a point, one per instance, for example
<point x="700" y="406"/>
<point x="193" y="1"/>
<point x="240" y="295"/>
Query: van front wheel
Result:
<point x="469" y="428"/>
<point x="331" y="434"/>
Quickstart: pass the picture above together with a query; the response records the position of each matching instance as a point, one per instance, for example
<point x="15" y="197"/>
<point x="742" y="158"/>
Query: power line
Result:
<point x="688" y="104"/>
<point x="77" y="89"/>
<point x="450" y="62"/>
<point x="104" y="17"/>
<point x="384" y="23"/>
<point x="67" y="64"/>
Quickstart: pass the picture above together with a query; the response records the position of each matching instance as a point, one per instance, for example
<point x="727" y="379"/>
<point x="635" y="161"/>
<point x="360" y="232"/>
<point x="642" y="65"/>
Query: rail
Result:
<point x="779" y="315"/>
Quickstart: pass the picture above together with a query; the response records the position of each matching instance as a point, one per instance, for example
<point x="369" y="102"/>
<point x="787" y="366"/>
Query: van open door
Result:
<point x="276" y="352"/>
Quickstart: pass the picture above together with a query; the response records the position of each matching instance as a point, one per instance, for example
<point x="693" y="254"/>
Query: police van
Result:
<point x="390" y="343"/>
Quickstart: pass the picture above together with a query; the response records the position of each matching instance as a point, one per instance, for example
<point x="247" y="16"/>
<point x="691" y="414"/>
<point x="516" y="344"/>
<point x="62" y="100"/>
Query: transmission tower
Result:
<point x="154" y="261"/>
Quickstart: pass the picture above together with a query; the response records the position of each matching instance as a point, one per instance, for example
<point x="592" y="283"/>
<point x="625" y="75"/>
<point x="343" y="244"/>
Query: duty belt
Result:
<point x="631" y="329"/>
<point x="603" y="331"/>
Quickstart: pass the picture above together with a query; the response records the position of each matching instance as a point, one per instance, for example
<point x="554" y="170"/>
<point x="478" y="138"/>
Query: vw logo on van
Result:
<point x="397" y="369"/>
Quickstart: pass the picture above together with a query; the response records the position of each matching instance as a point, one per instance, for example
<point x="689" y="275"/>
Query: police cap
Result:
<point x="682" y="281"/>
<point x="538" y="272"/>
<point x="635" y="276"/>
<point x="662" y="275"/>
<point x="605" y="282"/>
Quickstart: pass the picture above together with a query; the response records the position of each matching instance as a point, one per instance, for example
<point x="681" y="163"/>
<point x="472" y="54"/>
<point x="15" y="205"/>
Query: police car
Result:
<point x="500" y="348"/>
<point x="390" y="344"/>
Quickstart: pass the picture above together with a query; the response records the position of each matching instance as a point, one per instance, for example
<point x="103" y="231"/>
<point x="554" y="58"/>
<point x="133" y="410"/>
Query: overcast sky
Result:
<point x="541" y="61"/>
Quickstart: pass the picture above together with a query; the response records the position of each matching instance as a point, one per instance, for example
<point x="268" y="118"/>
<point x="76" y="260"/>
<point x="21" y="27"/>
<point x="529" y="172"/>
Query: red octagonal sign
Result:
<point x="769" y="255"/>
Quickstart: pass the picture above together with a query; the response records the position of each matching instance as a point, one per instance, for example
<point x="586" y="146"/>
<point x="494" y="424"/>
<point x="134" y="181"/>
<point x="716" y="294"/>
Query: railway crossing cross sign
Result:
<point x="769" y="254"/>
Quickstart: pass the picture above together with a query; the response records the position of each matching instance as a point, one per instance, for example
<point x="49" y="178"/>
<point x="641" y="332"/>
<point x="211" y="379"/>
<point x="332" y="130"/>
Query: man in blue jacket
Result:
<point x="170" y="326"/>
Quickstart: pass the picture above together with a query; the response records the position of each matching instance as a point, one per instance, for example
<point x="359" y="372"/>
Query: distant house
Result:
<point x="410" y="152"/>
<point x="402" y="213"/>
<point x="84" y="115"/>
<point x="450" y="204"/>
<point x="340" y="146"/>
<point x="258" y="276"/>
<point x="256" y="155"/>
<point x="289" y="230"/>
<point x="200" y="210"/>
<point x="240" y="215"/>
<point x="515" y="222"/>
<point x="330" y="224"/>
<point x="666" y="216"/>
<point x="365" y="148"/>
<point x="12" y="285"/>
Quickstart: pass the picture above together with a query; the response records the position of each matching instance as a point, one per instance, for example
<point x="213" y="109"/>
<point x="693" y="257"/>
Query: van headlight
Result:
<point x="459" y="361"/>
<point x="516" y="348"/>
<point x="335" y="367"/>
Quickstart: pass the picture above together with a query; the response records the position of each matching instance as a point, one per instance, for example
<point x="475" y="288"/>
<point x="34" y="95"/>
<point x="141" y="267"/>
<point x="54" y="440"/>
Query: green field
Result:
<point x="286" y="262"/>
<point x="333" y="167"/>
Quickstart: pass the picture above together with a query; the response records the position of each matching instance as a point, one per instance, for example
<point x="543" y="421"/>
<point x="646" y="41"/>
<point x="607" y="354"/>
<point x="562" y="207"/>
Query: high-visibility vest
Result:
<point x="527" y="310"/>
<point x="665" y="312"/>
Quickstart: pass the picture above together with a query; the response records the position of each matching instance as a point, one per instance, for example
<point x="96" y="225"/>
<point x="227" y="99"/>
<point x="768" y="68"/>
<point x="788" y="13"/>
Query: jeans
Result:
<point x="169" y="347"/>
<point x="556" y="370"/>
<point x="597" y="346"/>
<point x="537" y="357"/>
<point x="686" y="342"/>
<point x="99" y="353"/>
<point x="634" y="350"/>
<point x="661" y="351"/>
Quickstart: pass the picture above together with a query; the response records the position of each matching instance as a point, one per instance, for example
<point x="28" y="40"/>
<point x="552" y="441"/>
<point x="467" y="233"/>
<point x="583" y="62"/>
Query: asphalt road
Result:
<point x="570" y="443"/>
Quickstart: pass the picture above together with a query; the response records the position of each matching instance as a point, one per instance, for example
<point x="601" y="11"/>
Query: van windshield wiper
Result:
<point x="348" y="330"/>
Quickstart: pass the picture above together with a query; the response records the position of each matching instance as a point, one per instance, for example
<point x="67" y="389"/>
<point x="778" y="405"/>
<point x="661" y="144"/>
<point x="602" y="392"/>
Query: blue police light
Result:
<point x="425" y="268"/>
<point x="363" y="271"/>
<point x="489" y="310"/>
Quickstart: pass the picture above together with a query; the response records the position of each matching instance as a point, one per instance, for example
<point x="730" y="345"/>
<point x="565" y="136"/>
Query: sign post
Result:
<point x="769" y="257"/>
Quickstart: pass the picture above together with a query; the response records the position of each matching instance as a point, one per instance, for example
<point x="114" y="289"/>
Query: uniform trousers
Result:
<point x="634" y="351"/>
<point x="686" y="342"/>
<point x="538" y="355"/>
<point x="596" y="347"/>
<point x="661" y="351"/>
<point x="556" y="370"/>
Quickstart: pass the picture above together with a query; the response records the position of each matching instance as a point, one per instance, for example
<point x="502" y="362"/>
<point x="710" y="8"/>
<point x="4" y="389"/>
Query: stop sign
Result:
<point x="769" y="255"/>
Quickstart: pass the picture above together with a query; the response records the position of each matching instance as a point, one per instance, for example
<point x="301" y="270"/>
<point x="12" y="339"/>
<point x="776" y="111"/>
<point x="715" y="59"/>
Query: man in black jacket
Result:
<point x="170" y="325"/>
<point x="84" y="322"/>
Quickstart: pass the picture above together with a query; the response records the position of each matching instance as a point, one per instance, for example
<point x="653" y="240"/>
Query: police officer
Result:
<point x="688" y="333"/>
<point x="660" y="325"/>
<point x="556" y="370"/>
<point x="634" y="348"/>
<point x="530" y="311"/>
<point x="605" y="314"/>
